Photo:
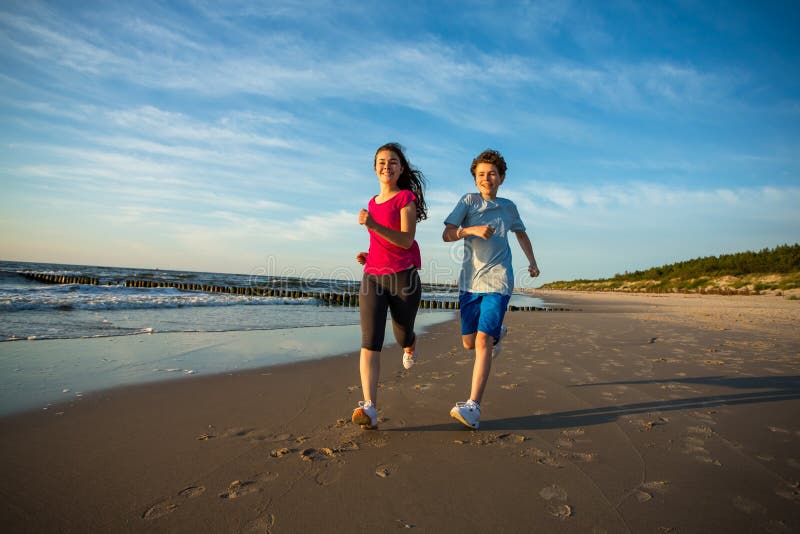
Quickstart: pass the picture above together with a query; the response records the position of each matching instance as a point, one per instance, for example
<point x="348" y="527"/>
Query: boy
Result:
<point x="483" y="220"/>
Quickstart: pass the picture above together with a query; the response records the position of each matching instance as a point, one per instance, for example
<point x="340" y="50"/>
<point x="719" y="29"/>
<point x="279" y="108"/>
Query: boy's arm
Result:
<point x="454" y="233"/>
<point x="527" y="248"/>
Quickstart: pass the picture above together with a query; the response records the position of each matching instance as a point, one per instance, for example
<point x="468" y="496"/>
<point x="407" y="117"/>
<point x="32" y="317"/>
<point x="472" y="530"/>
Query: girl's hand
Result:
<point x="361" y="258"/>
<point x="364" y="218"/>
<point x="484" y="232"/>
<point x="533" y="270"/>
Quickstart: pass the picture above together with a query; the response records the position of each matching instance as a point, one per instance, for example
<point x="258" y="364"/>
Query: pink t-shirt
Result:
<point x="385" y="257"/>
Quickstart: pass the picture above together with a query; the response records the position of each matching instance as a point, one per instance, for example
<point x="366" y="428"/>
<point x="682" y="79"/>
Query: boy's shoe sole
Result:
<point x="362" y="419"/>
<point x="455" y="414"/>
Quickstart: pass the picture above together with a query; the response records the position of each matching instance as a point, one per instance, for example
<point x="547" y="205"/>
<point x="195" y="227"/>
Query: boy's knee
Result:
<point x="469" y="344"/>
<point x="484" y="340"/>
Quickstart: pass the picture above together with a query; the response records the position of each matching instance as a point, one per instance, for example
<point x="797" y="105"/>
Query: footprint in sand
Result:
<point x="649" y="424"/>
<point x="748" y="506"/>
<point x="329" y="473"/>
<point x="159" y="509"/>
<point x="778" y="430"/>
<point x="695" y="444"/>
<point x="543" y="457"/>
<point x="777" y="527"/>
<point x="192" y="491"/>
<point x="385" y="470"/>
<point x="237" y="432"/>
<point x="565" y="443"/>
<point x="316" y="455"/>
<point x="657" y="486"/>
<point x="573" y="432"/>
<point x="556" y="497"/>
<point x="553" y="492"/>
<point x="644" y="492"/>
<point x="791" y="491"/>
<point x="582" y="456"/>
<point x="239" y="488"/>
<point x="261" y="525"/>
<point x="166" y="506"/>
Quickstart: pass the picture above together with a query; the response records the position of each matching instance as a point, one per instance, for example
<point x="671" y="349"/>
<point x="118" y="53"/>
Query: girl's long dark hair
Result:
<point x="411" y="178"/>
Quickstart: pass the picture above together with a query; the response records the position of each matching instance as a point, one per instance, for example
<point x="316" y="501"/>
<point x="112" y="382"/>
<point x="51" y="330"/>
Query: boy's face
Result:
<point x="488" y="180"/>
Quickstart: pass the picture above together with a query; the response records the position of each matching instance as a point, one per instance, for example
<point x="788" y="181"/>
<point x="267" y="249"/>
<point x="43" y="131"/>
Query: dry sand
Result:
<point x="630" y="413"/>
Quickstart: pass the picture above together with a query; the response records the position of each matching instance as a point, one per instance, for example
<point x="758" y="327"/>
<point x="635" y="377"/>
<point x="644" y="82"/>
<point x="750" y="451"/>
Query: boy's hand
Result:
<point x="361" y="258"/>
<point x="533" y="270"/>
<point x="484" y="232"/>
<point x="364" y="218"/>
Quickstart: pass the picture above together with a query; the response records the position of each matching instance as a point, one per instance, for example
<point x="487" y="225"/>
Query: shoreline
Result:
<point x="34" y="379"/>
<point x="620" y="417"/>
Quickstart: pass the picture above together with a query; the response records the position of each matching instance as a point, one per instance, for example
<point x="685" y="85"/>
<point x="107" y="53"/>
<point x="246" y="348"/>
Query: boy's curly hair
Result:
<point x="489" y="156"/>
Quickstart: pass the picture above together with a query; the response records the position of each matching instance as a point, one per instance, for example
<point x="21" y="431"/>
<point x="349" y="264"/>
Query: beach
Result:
<point x="626" y="413"/>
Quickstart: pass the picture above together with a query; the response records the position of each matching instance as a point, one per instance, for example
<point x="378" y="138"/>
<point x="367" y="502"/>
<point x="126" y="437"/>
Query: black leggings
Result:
<point x="400" y="293"/>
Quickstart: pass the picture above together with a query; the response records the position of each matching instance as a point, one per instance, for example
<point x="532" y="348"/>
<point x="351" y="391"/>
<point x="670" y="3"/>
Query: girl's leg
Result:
<point x="370" y="367"/>
<point x="403" y="305"/>
<point x="373" y="303"/>
<point x="483" y="365"/>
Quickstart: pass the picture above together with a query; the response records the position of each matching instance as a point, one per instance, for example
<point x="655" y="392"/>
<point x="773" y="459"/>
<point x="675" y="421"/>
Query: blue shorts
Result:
<point x="482" y="312"/>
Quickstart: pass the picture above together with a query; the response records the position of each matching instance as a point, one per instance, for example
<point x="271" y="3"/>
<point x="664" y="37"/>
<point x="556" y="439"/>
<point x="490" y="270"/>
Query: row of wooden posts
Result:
<point x="61" y="279"/>
<point x="330" y="299"/>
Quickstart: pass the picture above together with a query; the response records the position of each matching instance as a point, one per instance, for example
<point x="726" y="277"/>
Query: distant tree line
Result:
<point x="741" y="273"/>
<point x="782" y="259"/>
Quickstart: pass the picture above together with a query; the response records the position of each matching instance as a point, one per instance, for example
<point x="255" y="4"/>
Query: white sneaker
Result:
<point x="366" y="415"/>
<point x="497" y="349"/>
<point x="468" y="413"/>
<point x="409" y="359"/>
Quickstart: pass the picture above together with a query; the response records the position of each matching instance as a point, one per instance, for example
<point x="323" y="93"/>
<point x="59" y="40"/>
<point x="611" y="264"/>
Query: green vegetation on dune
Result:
<point x="776" y="269"/>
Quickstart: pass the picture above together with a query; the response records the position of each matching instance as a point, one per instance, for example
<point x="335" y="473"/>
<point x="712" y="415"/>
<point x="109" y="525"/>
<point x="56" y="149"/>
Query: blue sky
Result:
<point x="238" y="137"/>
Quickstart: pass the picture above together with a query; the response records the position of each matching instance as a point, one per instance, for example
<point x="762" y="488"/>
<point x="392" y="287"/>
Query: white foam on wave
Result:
<point x="87" y="297"/>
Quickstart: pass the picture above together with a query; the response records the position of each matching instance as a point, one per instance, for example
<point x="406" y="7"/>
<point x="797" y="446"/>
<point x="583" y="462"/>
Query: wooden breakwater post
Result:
<point x="46" y="278"/>
<point x="350" y="300"/>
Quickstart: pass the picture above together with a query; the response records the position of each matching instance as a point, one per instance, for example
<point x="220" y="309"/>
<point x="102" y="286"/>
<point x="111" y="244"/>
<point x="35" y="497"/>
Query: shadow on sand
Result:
<point x="767" y="389"/>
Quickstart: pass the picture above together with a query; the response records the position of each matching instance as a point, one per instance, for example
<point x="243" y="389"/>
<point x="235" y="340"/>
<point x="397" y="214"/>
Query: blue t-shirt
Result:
<point x="487" y="262"/>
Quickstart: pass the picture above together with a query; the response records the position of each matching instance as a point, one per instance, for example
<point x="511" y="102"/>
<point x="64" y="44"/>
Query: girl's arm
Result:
<point x="527" y="248"/>
<point x="408" y="226"/>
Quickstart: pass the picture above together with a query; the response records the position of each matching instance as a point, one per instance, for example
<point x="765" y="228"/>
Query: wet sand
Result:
<point x="630" y="413"/>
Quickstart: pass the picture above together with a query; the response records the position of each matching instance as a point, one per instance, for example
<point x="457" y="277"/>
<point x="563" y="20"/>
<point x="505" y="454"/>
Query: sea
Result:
<point x="68" y="330"/>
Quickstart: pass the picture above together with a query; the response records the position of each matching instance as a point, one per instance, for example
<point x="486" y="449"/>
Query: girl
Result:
<point x="390" y="270"/>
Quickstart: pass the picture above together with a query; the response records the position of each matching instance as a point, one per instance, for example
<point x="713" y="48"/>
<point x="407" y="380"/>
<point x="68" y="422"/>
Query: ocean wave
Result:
<point x="74" y="297"/>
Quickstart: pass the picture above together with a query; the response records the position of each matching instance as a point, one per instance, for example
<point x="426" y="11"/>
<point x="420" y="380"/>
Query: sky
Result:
<point x="239" y="136"/>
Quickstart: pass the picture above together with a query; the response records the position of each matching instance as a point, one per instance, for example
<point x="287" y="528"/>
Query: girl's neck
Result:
<point x="388" y="191"/>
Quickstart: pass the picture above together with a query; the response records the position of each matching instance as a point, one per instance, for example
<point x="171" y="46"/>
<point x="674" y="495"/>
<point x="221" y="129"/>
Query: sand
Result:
<point x="629" y="413"/>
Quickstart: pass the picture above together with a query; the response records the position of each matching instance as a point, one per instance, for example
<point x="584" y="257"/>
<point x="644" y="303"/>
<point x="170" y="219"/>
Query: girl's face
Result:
<point x="388" y="167"/>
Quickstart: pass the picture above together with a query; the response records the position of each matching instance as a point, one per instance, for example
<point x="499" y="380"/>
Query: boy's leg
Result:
<point x="482" y="367"/>
<point x="470" y="309"/>
<point x="492" y="311"/>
